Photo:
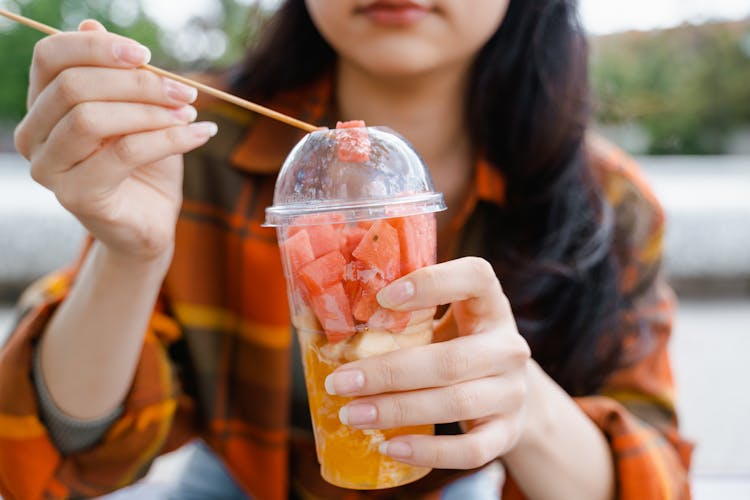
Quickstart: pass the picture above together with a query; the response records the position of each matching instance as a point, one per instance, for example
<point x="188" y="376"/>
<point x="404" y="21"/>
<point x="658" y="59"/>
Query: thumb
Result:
<point x="91" y="25"/>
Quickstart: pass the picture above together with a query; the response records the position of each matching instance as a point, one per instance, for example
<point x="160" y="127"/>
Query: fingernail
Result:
<point x="204" y="129"/>
<point x="132" y="53"/>
<point x="395" y="449"/>
<point x="358" y="414"/>
<point x="396" y="294"/>
<point x="186" y="113"/>
<point x="344" y="382"/>
<point x="179" y="91"/>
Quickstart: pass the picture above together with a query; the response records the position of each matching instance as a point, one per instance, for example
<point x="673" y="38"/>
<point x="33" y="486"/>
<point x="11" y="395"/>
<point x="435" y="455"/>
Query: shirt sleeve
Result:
<point x="68" y="434"/>
<point x="32" y="466"/>
<point x="636" y="407"/>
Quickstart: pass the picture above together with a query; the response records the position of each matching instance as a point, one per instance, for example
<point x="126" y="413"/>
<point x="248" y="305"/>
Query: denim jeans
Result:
<point x="206" y="478"/>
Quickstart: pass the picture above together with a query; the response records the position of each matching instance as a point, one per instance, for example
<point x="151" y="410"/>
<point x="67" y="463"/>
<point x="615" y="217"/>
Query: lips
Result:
<point x="395" y="12"/>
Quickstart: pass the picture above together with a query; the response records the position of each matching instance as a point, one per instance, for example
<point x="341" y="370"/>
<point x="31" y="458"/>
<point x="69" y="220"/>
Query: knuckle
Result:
<point x="70" y="199"/>
<point x="145" y="81"/>
<point x="431" y="278"/>
<point x="68" y="85"/>
<point x="21" y="140"/>
<point x="387" y="374"/>
<point x="452" y="363"/>
<point x="175" y="136"/>
<point x="521" y="353"/>
<point x="437" y="457"/>
<point x="477" y="452"/>
<point x="462" y="403"/>
<point x="124" y="150"/>
<point x="483" y="270"/>
<point x="516" y="397"/>
<point x="37" y="172"/>
<point x="41" y="56"/>
<point x="397" y="412"/>
<point x="82" y="119"/>
<point x="92" y="46"/>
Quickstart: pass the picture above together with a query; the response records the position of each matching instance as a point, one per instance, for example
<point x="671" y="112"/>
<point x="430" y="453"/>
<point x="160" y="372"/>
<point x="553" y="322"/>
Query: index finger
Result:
<point x="88" y="48"/>
<point x="470" y="281"/>
<point x="435" y="365"/>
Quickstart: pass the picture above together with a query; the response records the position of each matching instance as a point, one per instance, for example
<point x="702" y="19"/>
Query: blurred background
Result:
<point x="671" y="80"/>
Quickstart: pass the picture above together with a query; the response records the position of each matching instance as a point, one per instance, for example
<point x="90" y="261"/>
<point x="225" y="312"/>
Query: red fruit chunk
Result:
<point x="416" y="235"/>
<point x="331" y="307"/>
<point x="362" y="285"/>
<point x="353" y="142"/>
<point x="350" y="124"/>
<point x="365" y="305"/>
<point x="298" y="251"/>
<point x="380" y="250"/>
<point x="322" y="229"/>
<point x="350" y="239"/>
<point x="323" y="272"/>
<point x="393" y="321"/>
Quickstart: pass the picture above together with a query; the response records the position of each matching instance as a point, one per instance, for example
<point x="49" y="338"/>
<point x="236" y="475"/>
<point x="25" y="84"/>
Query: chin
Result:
<point x="397" y="60"/>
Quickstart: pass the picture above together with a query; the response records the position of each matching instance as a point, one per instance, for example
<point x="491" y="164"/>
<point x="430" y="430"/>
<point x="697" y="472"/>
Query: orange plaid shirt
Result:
<point x="216" y="356"/>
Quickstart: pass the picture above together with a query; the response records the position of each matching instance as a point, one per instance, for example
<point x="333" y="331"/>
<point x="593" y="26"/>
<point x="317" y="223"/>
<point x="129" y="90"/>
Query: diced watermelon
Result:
<point x="350" y="239"/>
<point x="350" y="124"/>
<point x="322" y="229"/>
<point x="353" y="142"/>
<point x="362" y="284"/>
<point x="416" y="236"/>
<point x="380" y="250"/>
<point x="365" y="305"/>
<point x="393" y="321"/>
<point x="298" y="251"/>
<point x="323" y="272"/>
<point x="332" y="309"/>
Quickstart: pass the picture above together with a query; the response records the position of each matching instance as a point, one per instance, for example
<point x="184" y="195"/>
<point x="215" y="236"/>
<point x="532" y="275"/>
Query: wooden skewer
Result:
<point x="203" y="88"/>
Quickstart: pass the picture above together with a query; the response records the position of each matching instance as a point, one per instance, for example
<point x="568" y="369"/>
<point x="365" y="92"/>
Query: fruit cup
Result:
<point x="354" y="210"/>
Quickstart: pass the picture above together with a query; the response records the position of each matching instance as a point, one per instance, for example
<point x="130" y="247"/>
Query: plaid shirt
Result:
<point x="216" y="356"/>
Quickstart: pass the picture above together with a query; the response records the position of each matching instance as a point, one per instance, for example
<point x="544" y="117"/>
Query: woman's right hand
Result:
<point x="108" y="138"/>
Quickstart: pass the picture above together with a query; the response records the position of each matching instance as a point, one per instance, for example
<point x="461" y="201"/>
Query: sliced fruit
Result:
<point x="322" y="229"/>
<point x="362" y="284"/>
<point x="370" y="343"/>
<point x="298" y="251"/>
<point x="331" y="307"/>
<point x="323" y="272"/>
<point x="350" y="124"/>
<point x="416" y="236"/>
<point x="323" y="239"/>
<point x="393" y="321"/>
<point x="350" y="239"/>
<point x="353" y="142"/>
<point x="380" y="250"/>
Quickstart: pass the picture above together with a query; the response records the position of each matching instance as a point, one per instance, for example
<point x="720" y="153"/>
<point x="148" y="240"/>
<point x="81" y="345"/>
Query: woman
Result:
<point x="494" y="98"/>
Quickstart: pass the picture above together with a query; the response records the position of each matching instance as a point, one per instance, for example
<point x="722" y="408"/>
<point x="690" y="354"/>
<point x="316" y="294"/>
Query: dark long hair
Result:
<point x="550" y="242"/>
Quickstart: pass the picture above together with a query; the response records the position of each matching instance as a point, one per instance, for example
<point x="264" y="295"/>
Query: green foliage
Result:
<point x="235" y="27"/>
<point x="689" y="87"/>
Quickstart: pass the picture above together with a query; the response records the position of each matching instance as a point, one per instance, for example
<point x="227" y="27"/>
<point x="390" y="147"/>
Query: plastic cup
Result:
<point x="354" y="210"/>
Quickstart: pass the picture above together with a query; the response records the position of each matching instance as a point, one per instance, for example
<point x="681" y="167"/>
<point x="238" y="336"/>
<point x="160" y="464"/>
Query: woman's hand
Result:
<point x="475" y="373"/>
<point x="106" y="138"/>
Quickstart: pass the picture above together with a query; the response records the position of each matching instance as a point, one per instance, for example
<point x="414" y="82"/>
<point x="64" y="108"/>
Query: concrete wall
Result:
<point x="707" y="200"/>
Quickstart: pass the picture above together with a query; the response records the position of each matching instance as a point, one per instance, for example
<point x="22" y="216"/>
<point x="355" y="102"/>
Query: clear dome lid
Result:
<point x="355" y="171"/>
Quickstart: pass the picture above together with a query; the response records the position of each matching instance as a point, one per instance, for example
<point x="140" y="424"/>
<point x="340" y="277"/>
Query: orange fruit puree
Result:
<point x="349" y="457"/>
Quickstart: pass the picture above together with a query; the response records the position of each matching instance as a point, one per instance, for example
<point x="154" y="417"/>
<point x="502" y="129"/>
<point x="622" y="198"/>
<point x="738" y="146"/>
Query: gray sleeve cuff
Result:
<point x="68" y="434"/>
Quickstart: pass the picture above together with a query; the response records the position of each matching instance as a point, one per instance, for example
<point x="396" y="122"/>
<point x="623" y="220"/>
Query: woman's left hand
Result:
<point x="474" y="374"/>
